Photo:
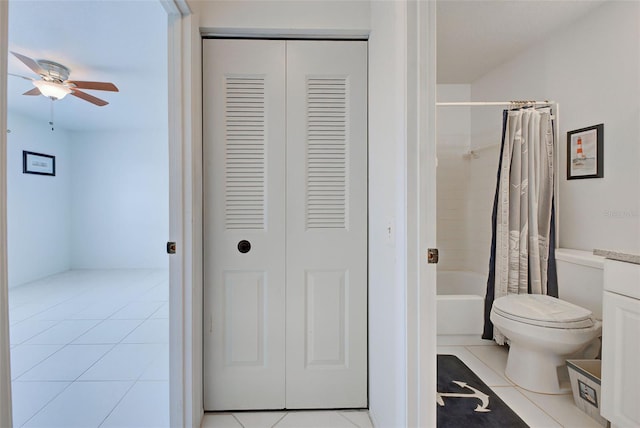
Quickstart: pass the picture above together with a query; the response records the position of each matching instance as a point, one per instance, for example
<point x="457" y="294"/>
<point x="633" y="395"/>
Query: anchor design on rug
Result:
<point x="484" y="398"/>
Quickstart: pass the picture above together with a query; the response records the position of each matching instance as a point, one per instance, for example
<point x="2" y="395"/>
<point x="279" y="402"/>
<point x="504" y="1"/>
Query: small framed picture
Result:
<point x="585" y="154"/>
<point x="38" y="163"/>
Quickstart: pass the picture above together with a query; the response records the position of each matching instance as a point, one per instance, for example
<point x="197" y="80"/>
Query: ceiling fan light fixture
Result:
<point x="52" y="89"/>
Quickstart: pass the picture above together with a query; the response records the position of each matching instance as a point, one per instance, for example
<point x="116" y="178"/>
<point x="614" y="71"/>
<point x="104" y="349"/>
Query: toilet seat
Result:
<point x="544" y="311"/>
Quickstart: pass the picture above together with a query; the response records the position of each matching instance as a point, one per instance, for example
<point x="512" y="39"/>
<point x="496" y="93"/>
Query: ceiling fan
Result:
<point x="54" y="83"/>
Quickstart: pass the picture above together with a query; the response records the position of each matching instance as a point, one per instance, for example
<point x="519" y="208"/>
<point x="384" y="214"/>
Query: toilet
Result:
<point x="544" y="331"/>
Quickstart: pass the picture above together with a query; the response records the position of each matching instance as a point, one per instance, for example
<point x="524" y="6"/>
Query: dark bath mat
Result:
<point x="466" y="401"/>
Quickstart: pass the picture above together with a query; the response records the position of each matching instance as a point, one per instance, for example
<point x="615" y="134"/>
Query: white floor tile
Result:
<point x="488" y="376"/>
<point x="101" y="310"/>
<point x="25" y="330"/>
<point x="493" y="356"/>
<point x="23" y="312"/>
<point x="62" y="333"/>
<point x="137" y="310"/>
<point x="150" y="331"/>
<point x="158" y="292"/>
<point x="82" y="404"/>
<point x="561" y="408"/>
<point x="217" y="420"/>
<point x="528" y="411"/>
<point x="61" y="311"/>
<point x="159" y="368"/>
<point x="108" y="331"/>
<point x="359" y="417"/>
<point x="324" y="419"/>
<point x="67" y="364"/>
<point x="463" y="340"/>
<point x="26" y="357"/>
<point x="162" y="313"/>
<point x="259" y="419"/>
<point x="30" y="397"/>
<point x="146" y="404"/>
<point x="123" y="362"/>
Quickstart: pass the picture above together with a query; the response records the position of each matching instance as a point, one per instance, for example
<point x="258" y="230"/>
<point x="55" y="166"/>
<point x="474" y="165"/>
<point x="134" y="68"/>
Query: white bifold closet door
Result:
<point x="285" y="172"/>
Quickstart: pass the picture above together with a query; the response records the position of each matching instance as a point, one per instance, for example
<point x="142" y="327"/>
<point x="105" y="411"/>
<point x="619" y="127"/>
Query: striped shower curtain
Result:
<point x="523" y="248"/>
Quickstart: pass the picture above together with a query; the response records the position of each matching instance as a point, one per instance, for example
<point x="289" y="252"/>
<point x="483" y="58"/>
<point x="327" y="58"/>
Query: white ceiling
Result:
<point x="474" y="37"/>
<point x="124" y="42"/>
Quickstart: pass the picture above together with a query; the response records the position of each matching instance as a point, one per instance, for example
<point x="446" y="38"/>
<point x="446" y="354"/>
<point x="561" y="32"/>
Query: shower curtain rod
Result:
<point x="492" y="103"/>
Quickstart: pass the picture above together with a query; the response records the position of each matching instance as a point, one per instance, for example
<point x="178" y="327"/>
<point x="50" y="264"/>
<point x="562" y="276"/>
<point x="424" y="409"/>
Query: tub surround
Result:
<point x="619" y="256"/>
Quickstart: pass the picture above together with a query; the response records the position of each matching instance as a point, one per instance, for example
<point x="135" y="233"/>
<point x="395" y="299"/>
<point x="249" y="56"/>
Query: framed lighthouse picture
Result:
<point x="585" y="154"/>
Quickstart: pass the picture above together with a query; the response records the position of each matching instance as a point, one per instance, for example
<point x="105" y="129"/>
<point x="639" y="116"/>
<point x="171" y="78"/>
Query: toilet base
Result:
<point x="537" y="371"/>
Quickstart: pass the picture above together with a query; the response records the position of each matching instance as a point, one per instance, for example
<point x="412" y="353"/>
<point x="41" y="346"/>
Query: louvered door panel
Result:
<point x="326" y="224"/>
<point x="245" y="152"/>
<point x="244" y="178"/>
<point x="327" y="123"/>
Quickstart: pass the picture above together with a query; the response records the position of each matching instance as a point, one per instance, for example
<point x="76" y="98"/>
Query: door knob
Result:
<point x="244" y="246"/>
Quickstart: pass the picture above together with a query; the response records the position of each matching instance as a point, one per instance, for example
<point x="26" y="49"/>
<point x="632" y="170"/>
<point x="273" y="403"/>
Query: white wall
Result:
<point x="119" y="199"/>
<point x="310" y="15"/>
<point x="592" y="69"/>
<point x="387" y="287"/>
<point x="387" y="284"/>
<point x="38" y="206"/>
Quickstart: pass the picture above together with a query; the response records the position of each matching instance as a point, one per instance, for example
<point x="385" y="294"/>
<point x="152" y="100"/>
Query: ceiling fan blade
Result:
<point x="23" y="77"/>
<point x="34" y="91"/>
<point x="29" y="63"/>
<point x="98" y="86"/>
<point x="90" y="98"/>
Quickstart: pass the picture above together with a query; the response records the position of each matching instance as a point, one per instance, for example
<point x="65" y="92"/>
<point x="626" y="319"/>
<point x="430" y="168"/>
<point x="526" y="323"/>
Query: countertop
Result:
<point x="620" y="256"/>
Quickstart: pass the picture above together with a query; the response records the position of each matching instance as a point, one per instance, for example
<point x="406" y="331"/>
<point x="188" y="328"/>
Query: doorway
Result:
<point x="111" y="188"/>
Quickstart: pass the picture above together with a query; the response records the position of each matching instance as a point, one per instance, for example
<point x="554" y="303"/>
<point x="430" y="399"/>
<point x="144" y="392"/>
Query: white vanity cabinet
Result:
<point x="620" y="402"/>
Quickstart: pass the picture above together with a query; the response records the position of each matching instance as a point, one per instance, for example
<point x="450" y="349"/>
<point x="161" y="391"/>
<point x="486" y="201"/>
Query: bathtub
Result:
<point x="460" y="302"/>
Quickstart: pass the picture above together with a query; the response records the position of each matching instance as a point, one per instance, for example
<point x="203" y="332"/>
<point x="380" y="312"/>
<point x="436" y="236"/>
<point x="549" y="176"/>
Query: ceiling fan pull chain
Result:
<point x="51" y="121"/>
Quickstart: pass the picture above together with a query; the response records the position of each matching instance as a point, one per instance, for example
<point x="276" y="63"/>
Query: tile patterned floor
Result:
<point x="90" y="349"/>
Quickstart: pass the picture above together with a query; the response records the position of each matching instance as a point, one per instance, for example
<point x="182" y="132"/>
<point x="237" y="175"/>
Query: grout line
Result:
<point x="280" y="420"/>
<point x="116" y="405"/>
<point x="36" y="334"/>
<point x="350" y="421"/>
<point x="237" y="420"/>
<point x="48" y="402"/>
<point x="38" y="363"/>
<point x="536" y="404"/>
<point x="502" y="375"/>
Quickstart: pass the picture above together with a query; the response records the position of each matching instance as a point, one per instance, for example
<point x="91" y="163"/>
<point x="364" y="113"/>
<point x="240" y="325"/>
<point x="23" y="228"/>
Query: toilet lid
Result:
<point x="542" y="310"/>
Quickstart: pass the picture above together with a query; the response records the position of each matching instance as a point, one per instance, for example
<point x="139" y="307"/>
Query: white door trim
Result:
<point x="427" y="334"/>
<point x="185" y="228"/>
<point x="5" y="369"/>
<point x="421" y="213"/>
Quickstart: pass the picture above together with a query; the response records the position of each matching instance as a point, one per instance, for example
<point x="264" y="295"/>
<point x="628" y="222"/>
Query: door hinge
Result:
<point x="171" y="247"/>
<point x="432" y="255"/>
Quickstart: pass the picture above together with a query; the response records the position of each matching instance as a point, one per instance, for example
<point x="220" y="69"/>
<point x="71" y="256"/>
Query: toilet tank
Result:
<point x="580" y="279"/>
